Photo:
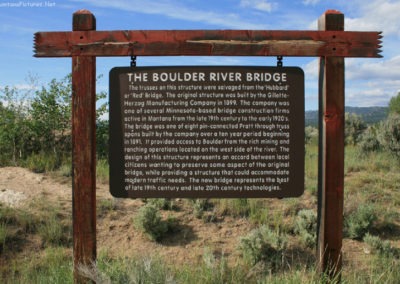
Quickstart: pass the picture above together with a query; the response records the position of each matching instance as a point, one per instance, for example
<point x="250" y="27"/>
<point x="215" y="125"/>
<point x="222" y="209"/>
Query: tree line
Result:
<point x="382" y="136"/>
<point x="35" y="127"/>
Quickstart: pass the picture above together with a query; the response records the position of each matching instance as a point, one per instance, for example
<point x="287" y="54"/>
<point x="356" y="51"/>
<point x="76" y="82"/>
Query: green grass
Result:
<point x="53" y="265"/>
<point x="3" y="235"/>
<point x="51" y="230"/>
<point x="238" y="207"/>
<point x="105" y="206"/>
<point x="102" y="171"/>
<point x="311" y="169"/>
<point x="43" y="162"/>
<point x="371" y="181"/>
<point x="13" y="223"/>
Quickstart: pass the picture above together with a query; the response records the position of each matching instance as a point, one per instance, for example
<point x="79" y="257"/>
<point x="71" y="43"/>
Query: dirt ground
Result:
<point x="118" y="237"/>
<point x="116" y="234"/>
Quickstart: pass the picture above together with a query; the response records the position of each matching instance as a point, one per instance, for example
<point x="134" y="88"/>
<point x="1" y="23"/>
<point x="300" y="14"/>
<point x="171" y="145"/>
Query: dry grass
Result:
<point x="205" y="249"/>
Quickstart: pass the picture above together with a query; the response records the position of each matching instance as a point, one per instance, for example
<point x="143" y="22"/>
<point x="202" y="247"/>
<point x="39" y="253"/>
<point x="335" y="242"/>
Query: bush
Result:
<point x="394" y="104"/>
<point x="264" y="244"/>
<point x="359" y="222"/>
<point x="310" y="135"/>
<point x="162" y="203"/>
<point x="40" y="163"/>
<point x="42" y="124"/>
<point x="369" y="140"/>
<point x="149" y="221"/>
<point x="199" y="206"/>
<point x="354" y="127"/>
<point x="306" y="227"/>
<point x="389" y="134"/>
<point x="377" y="245"/>
<point x="102" y="139"/>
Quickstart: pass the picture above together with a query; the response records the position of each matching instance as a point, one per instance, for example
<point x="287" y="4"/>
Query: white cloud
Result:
<point x="376" y="94"/>
<point x="373" y="69"/>
<point x="369" y="82"/>
<point x="372" y="92"/>
<point x="261" y="5"/>
<point x="311" y="69"/>
<point x="375" y="15"/>
<point x="310" y="2"/>
<point x="15" y="29"/>
<point x="173" y="9"/>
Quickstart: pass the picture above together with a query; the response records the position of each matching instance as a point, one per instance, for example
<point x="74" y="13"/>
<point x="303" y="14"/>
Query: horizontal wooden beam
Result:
<point x="207" y="42"/>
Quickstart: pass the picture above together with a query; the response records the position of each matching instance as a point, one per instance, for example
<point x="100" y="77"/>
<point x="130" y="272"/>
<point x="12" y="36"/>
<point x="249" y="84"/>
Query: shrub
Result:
<point x="264" y="244"/>
<point x="377" y="245"/>
<point x="149" y="221"/>
<point x="40" y="163"/>
<point x="394" y="104"/>
<point x="199" y="206"/>
<point x="354" y="127"/>
<point x="389" y="134"/>
<point x="163" y="203"/>
<point x="310" y="135"/>
<point x="306" y="227"/>
<point x="369" y="141"/>
<point x="102" y="139"/>
<point x="359" y="222"/>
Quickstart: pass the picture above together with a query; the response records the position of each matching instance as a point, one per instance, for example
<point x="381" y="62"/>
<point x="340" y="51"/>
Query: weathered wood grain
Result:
<point x="207" y="42"/>
<point x="331" y="155"/>
<point x="83" y="152"/>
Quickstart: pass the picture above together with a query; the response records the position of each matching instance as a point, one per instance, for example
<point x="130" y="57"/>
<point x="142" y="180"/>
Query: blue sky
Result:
<point x="369" y="81"/>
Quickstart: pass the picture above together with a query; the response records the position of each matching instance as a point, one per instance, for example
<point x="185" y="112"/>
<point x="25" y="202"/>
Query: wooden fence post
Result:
<point x="84" y="150"/>
<point x="331" y="154"/>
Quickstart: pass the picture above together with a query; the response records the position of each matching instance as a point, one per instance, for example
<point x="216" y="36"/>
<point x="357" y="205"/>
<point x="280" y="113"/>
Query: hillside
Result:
<point x="208" y="241"/>
<point x="370" y="115"/>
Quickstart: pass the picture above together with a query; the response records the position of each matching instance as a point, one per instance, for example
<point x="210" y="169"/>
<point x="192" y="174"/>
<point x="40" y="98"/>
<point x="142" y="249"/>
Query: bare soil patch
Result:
<point x="116" y="233"/>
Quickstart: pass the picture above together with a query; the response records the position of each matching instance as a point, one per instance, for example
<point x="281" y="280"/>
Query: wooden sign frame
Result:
<point x="331" y="43"/>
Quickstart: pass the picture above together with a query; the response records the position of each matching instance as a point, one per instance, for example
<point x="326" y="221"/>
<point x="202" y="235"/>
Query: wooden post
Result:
<point x="331" y="154"/>
<point x="84" y="150"/>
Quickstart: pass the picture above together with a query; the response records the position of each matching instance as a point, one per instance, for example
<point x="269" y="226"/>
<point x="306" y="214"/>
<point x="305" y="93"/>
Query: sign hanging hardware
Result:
<point x="279" y="62"/>
<point x="133" y="60"/>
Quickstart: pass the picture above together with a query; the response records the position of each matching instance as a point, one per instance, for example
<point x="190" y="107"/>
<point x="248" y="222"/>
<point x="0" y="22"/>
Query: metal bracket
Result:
<point x="279" y="62"/>
<point x="133" y="61"/>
